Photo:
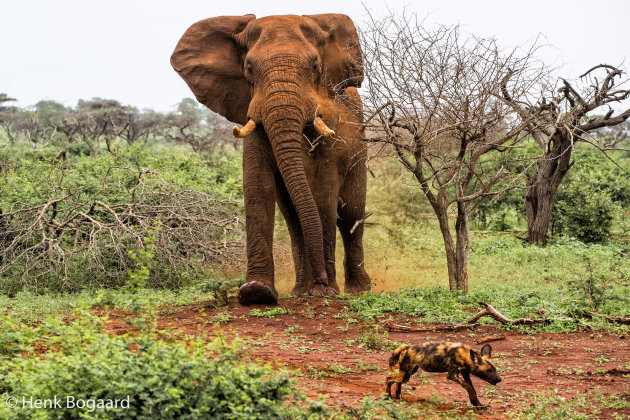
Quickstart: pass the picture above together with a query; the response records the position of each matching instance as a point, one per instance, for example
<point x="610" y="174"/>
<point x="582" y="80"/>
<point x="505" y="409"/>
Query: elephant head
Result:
<point x="273" y="74"/>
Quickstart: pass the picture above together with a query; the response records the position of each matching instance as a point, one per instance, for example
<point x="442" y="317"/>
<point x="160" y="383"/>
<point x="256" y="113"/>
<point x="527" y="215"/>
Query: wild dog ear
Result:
<point x="486" y="351"/>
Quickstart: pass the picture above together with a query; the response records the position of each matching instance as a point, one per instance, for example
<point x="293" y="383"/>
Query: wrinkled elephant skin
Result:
<point x="290" y="81"/>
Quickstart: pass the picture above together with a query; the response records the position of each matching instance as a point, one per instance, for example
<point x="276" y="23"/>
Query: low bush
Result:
<point x="159" y="379"/>
<point x="585" y="213"/>
<point x="224" y="291"/>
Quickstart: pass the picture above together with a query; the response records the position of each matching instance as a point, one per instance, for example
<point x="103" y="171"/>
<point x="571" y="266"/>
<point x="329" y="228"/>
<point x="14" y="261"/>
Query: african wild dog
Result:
<point x="455" y="358"/>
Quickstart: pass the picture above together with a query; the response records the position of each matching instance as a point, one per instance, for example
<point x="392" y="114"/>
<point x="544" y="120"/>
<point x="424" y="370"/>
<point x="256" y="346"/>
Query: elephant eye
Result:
<point x="317" y="70"/>
<point x="249" y="70"/>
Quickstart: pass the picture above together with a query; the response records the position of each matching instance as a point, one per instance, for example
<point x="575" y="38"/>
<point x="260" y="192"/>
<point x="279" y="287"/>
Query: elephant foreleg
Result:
<point x="260" y="196"/>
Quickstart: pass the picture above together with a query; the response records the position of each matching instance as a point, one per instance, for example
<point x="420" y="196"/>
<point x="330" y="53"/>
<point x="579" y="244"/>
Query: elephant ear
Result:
<point x="342" y="60"/>
<point x="210" y="61"/>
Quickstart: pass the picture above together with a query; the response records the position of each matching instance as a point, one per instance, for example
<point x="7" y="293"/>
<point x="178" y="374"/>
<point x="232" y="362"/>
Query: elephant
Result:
<point x="291" y="82"/>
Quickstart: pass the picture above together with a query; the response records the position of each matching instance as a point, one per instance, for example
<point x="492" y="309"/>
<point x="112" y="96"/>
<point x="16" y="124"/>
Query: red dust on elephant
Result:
<point x="291" y="82"/>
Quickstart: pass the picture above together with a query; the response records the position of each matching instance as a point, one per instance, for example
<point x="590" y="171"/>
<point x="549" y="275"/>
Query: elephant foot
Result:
<point x="356" y="288"/>
<point x="255" y="292"/>
<point x="358" y="284"/>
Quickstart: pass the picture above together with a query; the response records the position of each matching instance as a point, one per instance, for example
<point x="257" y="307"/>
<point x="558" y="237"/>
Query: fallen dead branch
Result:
<point x="491" y="311"/>
<point x="490" y="339"/>
<point x="488" y="310"/>
<point x="437" y="328"/>
<point x="609" y="318"/>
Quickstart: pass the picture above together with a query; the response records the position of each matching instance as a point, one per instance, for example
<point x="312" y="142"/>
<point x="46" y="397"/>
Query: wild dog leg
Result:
<point x="398" y="379"/>
<point x="466" y="383"/>
<point x="472" y="394"/>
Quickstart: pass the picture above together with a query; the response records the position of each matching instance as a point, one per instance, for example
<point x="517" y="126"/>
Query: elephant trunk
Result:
<point x="285" y="113"/>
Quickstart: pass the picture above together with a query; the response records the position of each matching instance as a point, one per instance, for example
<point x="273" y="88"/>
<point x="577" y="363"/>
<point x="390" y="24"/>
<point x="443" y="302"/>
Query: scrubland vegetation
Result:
<point x="113" y="218"/>
<point x="128" y="230"/>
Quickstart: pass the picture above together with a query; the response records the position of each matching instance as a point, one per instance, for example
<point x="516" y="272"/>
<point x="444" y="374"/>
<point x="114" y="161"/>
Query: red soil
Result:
<point x="320" y="347"/>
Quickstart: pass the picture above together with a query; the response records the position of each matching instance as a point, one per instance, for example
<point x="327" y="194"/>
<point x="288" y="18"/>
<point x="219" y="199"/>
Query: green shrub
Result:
<point x="585" y="213"/>
<point x="501" y="213"/>
<point x="375" y="339"/>
<point x="594" y="284"/>
<point x="161" y="379"/>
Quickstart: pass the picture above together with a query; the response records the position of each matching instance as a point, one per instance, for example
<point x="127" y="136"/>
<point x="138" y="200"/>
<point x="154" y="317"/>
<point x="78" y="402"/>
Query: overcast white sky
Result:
<point x="120" y="49"/>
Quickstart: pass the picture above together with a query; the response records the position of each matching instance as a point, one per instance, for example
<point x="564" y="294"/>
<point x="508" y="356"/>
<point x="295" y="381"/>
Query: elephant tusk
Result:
<point x="322" y="128"/>
<point x="245" y="131"/>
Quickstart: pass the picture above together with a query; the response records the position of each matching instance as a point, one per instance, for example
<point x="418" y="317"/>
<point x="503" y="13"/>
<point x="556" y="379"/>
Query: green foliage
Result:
<point x="31" y="308"/>
<point x="591" y="196"/>
<point x="223" y="290"/>
<point x="505" y="212"/>
<point x="548" y="405"/>
<point x="14" y="338"/>
<point x="520" y="281"/>
<point x="375" y="339"/>
<point x="144" y="260"/>
<point x="395" y="192"/>
<point x="368" y="409"/>
<point x="270" y="313"/>
<point x="162" y="379"/>
<point x="585" y="213"/>
<point x="594" y="284"/>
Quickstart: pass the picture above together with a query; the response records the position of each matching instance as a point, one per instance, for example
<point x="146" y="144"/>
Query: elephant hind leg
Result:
<point x="351" y="212"/>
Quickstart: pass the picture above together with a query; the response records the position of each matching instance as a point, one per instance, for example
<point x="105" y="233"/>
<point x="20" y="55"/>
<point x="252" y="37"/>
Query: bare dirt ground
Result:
<point x="319" y="341"/>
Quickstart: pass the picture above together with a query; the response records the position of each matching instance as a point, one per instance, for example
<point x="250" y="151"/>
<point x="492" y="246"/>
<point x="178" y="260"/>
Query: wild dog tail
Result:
<point x="395" y="357"/>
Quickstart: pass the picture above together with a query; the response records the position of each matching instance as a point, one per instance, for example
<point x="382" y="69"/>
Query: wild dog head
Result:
<point x="483" y="368"/>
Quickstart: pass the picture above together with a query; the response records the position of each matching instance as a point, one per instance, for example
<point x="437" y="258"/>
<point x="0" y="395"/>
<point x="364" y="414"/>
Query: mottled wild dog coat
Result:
<point x="457" y="359"/>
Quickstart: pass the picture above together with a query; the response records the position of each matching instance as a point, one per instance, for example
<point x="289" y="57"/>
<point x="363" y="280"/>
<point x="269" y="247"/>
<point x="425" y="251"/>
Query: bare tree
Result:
<point x="140" y="125"/>
<point x="198" y="127"/>
<point x="559" y="120"/>
<point x="434" y="95"/>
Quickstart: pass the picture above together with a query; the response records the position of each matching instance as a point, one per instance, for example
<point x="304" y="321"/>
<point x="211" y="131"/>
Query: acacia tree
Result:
<point x="8" y="115"/>
<point x="434" y="96"/>
<point x="198" y="127"/>
<point x="38" y="124"/>
<point x="558" y="121"/>
<point x="612" y="136"/>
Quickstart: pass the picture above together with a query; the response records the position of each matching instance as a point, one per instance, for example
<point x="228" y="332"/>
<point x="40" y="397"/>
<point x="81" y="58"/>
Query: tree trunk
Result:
<point x="462" y="247"/>
<point x="456" y="252"/>
<point x="543" y="185"/>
